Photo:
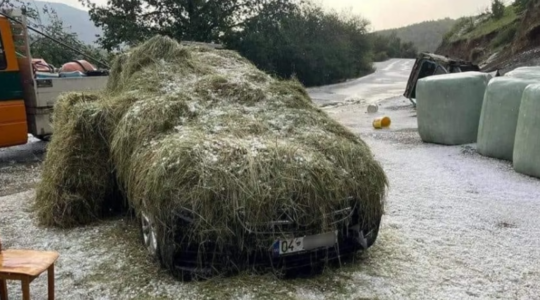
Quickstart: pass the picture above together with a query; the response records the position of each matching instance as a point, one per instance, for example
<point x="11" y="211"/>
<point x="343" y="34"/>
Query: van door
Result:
<point x="13" y="125"/>
<point x="422" y="68"/>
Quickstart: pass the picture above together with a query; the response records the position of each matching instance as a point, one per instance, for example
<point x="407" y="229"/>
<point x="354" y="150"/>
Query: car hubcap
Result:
<point x="149" y="234"/>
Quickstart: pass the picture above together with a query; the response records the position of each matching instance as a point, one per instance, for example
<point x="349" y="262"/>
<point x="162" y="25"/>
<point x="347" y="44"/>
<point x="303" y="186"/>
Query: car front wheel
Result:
<point x="149" y="235"/>
<point x="159" y="243"/>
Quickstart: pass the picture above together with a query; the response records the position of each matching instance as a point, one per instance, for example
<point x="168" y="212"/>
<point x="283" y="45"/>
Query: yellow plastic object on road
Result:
<point x="382" y="122"/>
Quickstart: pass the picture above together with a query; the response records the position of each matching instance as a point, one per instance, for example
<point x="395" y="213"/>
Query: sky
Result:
<point x="385" y="14"/>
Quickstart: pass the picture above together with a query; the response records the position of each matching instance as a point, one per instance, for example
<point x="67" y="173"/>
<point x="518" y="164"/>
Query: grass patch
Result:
<point x="493" y="24"/>
<point x="471" y="28"/>
<point x="505" y="36"/>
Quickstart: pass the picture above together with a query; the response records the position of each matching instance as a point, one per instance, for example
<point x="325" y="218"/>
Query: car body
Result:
<point x="290" y="248"/>
<point x="430" y="64"/>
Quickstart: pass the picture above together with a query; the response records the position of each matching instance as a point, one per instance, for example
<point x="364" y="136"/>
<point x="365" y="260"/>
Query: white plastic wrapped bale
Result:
<point x="527" y="143"/>
<point x="532" y="73"/>
<point x="449" y="106"/>
<point x="498" y="120"/>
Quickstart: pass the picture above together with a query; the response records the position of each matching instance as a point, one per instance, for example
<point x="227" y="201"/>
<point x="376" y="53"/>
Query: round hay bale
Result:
<point x="498" y="120"/>
<point x="449" y="107"/>
<point x="527" y="144"/>
<point x="532" y="73"/>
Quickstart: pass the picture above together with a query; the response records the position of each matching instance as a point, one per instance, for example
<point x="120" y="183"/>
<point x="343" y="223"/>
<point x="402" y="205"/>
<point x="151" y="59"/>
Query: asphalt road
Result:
<point x="30" y="152"/>
<point x="388" y="80"/>
<point x="458" y="225"/>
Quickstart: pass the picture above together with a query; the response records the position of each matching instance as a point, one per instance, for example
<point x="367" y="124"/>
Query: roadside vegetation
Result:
<point x="391" y="46"/>
<point x="47" y="49"/>
<point x="286" y="38"/>
<point x="425" y="36"/>
<point x="496" y="35"/>
<point x="501" y="20"/>
<point x="474" y="27"/>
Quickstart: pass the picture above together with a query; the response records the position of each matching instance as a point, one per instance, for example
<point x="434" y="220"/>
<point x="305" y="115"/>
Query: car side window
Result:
<point x="427" y="69"/>
<point x="3" y="60"/>
<point x="439" y="71"/>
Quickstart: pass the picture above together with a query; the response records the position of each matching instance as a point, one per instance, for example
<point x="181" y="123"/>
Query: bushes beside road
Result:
<point x="286" y="38"/>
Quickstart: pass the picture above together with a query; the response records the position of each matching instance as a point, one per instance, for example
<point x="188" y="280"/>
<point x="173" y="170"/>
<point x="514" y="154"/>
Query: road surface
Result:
<point x="457" y="225"/>
<point x="389" y="80"/>
<point x="32" y="151"/>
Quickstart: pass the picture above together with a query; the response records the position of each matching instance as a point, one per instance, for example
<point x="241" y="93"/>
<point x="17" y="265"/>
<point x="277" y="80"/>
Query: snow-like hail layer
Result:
<point x="212" y="119"/>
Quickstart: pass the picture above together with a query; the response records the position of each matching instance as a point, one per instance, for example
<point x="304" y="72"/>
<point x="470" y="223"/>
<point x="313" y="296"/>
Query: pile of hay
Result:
<point x="77" y="185"/>
<point x="202" y="130"/>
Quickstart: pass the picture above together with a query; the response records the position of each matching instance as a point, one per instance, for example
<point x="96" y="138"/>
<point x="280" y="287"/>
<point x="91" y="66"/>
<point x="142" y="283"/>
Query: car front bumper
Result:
<point x="206" y="260"/>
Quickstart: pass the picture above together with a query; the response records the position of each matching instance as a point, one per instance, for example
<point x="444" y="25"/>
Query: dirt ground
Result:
<point x="20" y="167"/>
<point x="457" y="226"/>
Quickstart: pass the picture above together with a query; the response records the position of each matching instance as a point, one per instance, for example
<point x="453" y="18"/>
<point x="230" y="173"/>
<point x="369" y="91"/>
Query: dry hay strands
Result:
<point x="226" y="184"/>
<point x="215" y="138"/>
<point x="77" y="185"/>
<point x="204" y="132"/>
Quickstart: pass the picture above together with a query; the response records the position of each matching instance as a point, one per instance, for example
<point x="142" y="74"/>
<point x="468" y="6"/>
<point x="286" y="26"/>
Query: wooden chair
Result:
<point x="26" y="265"/>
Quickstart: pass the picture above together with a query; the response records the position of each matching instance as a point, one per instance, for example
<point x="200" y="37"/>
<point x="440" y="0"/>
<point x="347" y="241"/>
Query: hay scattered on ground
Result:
<point x="204" y="133"/>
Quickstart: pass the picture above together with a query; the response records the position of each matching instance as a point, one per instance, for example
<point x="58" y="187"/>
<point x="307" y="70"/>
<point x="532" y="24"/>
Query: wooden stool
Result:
<point x="26" y="265"/>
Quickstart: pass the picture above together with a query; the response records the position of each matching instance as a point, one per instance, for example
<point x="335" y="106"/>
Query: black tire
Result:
<point x="167" y="252"/>
<point x="372" y="238"/>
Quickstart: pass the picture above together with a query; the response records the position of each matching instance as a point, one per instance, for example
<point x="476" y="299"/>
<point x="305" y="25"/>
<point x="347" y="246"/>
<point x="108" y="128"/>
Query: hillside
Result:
<point x="76" y="20"/>
<point x="496" y="43"/>
<point x="426" y="36"/>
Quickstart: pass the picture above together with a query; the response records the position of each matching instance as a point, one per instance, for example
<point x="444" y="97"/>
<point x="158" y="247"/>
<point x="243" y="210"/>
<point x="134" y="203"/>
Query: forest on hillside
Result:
<point x="426" y="36"/>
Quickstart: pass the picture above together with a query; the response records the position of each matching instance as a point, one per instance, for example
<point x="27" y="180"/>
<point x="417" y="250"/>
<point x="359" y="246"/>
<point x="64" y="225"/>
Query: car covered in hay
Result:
<point x="290" y="247"/>
<point x="225" y="167"/>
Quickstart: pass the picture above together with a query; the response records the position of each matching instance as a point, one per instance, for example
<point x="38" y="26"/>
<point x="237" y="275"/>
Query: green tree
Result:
<point x="46" y="48"/>
<point x="521" y="5"/>
<point x="57" y="54"/>
<point x="389" y="45"/>
<point x="408" y="50"/>
<point x="132" y="21"/>
<point x="306" y="42"/>
<point x="497" y="9"/>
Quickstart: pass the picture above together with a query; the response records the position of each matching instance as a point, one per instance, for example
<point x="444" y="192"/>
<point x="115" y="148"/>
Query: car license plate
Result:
<point x="299" y="244"/>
